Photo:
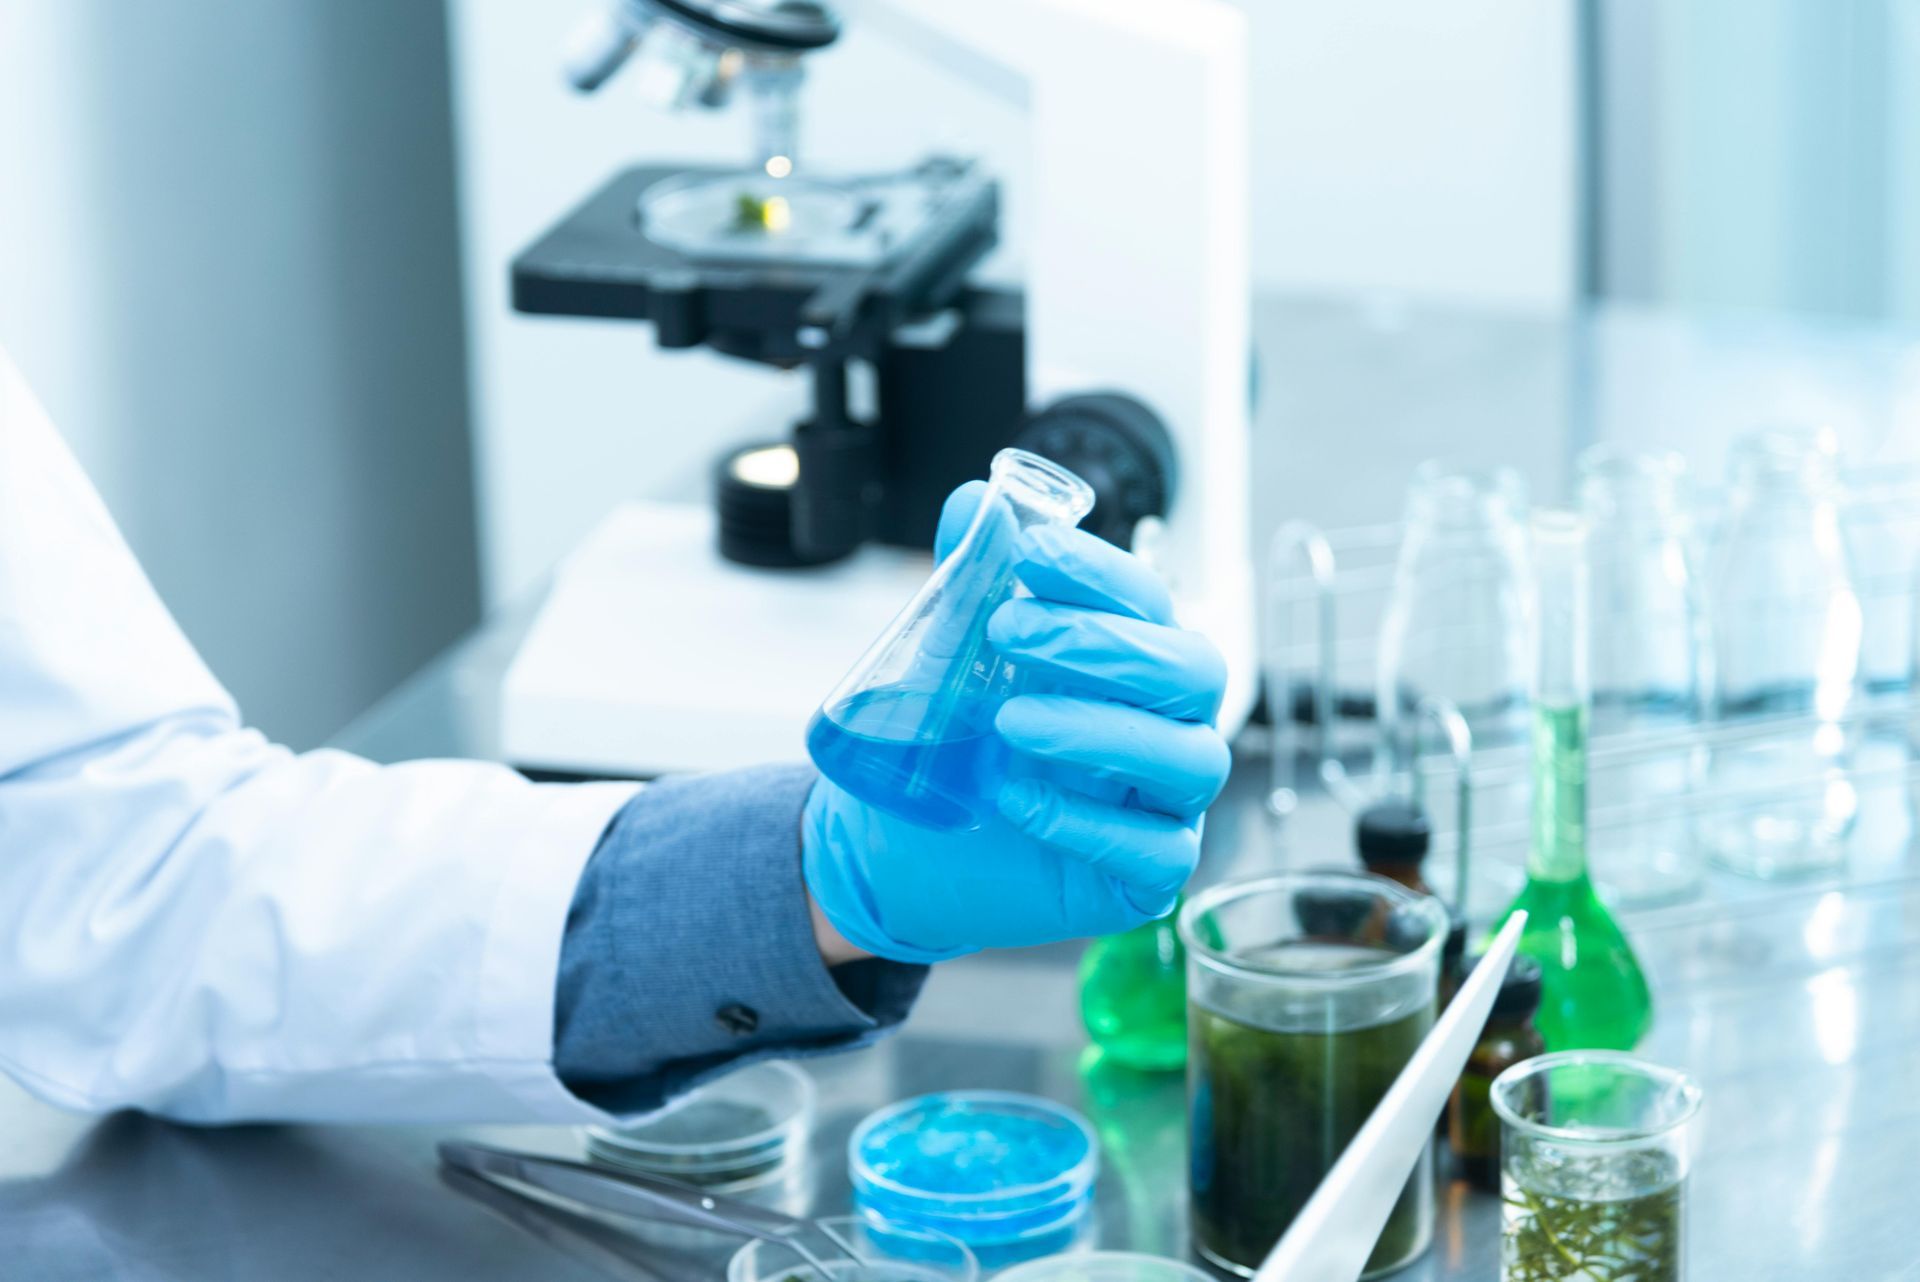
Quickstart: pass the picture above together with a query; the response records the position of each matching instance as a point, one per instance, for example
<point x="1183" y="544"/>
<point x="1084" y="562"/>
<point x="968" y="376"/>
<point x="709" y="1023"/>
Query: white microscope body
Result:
<point x="653" y="654"/>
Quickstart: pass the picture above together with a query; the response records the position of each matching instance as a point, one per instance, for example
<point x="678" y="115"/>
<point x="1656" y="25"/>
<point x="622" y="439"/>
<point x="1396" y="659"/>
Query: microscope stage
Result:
<point x="773" y="270"/>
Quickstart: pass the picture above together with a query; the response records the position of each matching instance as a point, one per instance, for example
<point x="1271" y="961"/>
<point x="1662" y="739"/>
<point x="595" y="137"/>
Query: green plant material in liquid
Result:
<point x="1594" y="994"/>
<point x="1553" y="1236"/>
<point x="1133" y="996"/>
<point x="1272" y="1110"/>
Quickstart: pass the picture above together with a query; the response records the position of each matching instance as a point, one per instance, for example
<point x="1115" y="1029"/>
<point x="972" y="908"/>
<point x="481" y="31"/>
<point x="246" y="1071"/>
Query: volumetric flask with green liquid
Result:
<point x="1593" y="991"/>
<point x="910" y="729"/>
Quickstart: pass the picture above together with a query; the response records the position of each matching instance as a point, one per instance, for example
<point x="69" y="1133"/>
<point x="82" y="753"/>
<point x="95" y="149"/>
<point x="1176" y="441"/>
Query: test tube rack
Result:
<point x="1325" y="598"/>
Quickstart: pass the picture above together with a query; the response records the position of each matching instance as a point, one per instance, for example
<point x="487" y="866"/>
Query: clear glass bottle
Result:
<point x="1455" y="622"/>
<point x="910" y="728"/>
<point x="1786" y="625"/>
<point x="1593" y="991"/>
<point x="1646" y="656"/>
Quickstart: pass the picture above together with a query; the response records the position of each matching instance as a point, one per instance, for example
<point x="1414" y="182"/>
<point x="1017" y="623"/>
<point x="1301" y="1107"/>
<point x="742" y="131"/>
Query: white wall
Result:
<point x="1418" y="146"/>
<point x="227" y="265"/>
<point x="1423" y="147"/>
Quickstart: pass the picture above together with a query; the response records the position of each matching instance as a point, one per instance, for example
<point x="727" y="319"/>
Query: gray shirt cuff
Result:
<point x="689" y="947"/>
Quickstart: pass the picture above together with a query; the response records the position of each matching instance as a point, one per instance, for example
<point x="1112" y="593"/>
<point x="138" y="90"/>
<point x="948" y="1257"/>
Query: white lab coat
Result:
<point x="200" y="923"/>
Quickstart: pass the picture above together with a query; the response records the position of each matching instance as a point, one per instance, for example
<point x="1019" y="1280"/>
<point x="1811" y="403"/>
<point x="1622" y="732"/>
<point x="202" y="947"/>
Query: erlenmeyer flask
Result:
<point x="910" y="729"/>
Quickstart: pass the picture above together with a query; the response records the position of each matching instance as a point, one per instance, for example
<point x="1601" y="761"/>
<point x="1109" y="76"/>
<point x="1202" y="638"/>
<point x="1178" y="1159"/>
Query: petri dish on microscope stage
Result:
<point x="743" y="1132"/>
<point x="1010" y="1175"/>
<point x="750" y="216"/>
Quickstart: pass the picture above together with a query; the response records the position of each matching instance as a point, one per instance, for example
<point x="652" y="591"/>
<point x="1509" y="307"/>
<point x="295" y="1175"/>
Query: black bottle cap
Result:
<point x="1453" y="951"/>
<point x="1333" y="914"/>
<point x="1392" y="832"/>
<point x="1519" y="995"/>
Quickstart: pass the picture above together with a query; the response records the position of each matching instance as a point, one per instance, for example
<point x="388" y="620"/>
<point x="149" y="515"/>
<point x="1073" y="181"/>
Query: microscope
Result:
<point x="1123" y="355"/>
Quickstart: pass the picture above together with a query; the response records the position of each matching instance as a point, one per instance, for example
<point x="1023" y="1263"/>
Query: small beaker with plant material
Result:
<point x="910" y="729"/>
<point x="1308" y="993"/>
<point x="1595" y="1148"/>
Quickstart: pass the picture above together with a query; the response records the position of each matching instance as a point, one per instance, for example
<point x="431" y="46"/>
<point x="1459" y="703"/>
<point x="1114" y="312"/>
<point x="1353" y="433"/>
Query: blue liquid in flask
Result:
<point x="910" y="730"/>
<point x="938" y="767"/>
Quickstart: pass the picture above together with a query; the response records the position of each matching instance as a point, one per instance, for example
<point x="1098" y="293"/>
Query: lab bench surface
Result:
<point x="1798" y="1011"/>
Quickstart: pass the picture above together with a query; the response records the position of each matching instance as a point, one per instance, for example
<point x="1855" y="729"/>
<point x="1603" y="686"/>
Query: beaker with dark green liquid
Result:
<point x="1307" y="994"/>
<point x="1593" y="993"/>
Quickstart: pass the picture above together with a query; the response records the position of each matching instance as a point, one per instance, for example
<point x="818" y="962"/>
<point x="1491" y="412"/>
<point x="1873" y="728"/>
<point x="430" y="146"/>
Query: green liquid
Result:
<point x="1546" y="1235"/>
<point x="1133" y="996"/>
<point x="1594" y="995"/>
<point x="1272" y="1110"/>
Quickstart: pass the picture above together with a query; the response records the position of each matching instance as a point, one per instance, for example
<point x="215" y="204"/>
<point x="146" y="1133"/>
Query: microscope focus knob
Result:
<point x="1119" y="447"/>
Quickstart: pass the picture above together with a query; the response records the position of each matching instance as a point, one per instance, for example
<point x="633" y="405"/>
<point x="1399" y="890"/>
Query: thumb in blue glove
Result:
<point x="1097" y="826"/>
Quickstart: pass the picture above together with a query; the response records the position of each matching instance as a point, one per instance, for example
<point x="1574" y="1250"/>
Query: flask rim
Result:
<point x="1042" y="482"/>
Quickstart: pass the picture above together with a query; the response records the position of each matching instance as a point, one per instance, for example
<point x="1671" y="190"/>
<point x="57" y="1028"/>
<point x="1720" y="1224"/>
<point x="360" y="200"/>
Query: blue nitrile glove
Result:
<point x="1099" y="822"/>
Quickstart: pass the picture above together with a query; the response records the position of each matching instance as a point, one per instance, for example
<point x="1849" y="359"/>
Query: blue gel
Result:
<point x="1011" y="1175"/>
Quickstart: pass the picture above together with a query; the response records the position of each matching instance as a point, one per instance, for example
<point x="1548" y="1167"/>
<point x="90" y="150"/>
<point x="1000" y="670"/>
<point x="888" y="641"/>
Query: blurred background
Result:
<point x="253" y="255"/>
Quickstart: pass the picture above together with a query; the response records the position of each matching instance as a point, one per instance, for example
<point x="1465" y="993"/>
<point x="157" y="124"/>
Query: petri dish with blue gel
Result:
<point x="1010" y="1175"/>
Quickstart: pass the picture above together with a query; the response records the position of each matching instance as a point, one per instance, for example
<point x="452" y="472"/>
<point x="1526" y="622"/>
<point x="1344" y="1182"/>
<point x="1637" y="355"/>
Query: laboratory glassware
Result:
<point x="1308" y="994"/>
<point x="1133" y="996"/>
<point x="1595" y="1149"/>
<point x="1593" y="991"/>
<point x="1010" y="1175"/>
<point x="740" y="1134"/>
<point x="1509" y="1038"/>
<point x="1455" y="622"/>
<point x="1333" y="1233"/>
<point x="1786" y="625"/>
<point x="910" y="728"/>
<point x="1106" y="1266"/>
<point x="874" y="1252"/>
<point x="1645" y="658"/>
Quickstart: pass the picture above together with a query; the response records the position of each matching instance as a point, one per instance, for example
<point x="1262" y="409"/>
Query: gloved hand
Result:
<point x="1099" y="822"/>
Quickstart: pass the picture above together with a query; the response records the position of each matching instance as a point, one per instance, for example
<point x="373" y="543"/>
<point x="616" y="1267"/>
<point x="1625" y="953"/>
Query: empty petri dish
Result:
<point x="1010" y="1175"/>
<point x="885" y="1253"/>
<point x="1106" y="1266"/>
<point x="741" y="1132"/>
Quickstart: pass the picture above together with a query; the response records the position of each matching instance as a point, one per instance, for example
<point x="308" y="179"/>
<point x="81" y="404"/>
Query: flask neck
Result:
<point x="1462" y="505"/>
<point x="1785" y="466"/>
<point x="1034" y="491"/>
<point x="1634" y="492"/>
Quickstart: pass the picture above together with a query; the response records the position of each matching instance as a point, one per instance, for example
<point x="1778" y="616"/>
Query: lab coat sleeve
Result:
<point x="198" y="923"/>
<point x="690" y="948"/>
